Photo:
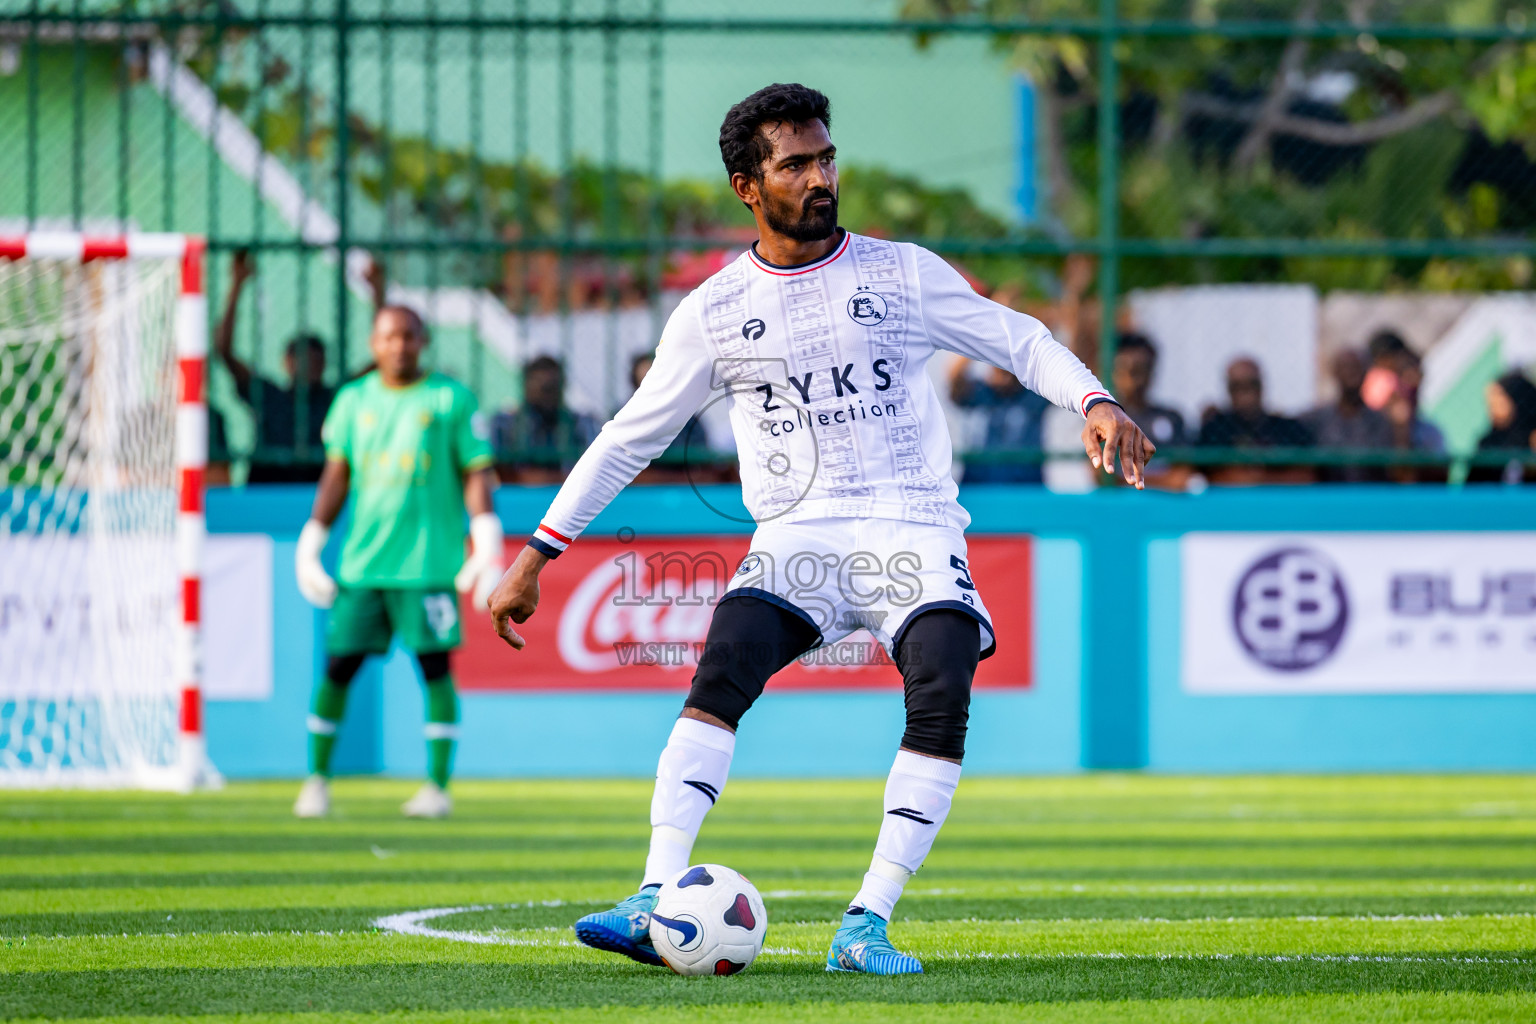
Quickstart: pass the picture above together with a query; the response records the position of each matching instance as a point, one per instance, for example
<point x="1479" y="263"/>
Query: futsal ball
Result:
<point x="708" y="920"/>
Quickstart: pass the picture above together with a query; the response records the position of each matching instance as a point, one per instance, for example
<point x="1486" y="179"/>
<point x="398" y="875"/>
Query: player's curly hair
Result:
<point x="743" y="146"/>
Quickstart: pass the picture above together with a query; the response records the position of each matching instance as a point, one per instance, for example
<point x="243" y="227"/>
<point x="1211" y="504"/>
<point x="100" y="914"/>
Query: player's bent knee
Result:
<point x="938" y="710"/>
<point x="341" y="668"/>
<point x="938" y="659"/>
<point x="434" y="665"/>
<point x="722" y="689"/>
<point x="749" y="640"/>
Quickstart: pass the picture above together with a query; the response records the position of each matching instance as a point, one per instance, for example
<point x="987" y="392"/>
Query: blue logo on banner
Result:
<point x="1290" y="610"/>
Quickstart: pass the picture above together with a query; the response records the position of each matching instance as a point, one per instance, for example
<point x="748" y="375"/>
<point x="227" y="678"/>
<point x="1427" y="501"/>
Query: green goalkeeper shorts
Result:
<point x="363" y="619"/>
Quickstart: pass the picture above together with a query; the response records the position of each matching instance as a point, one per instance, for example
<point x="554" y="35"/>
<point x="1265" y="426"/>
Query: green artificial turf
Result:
<point x="1098" y="898"/>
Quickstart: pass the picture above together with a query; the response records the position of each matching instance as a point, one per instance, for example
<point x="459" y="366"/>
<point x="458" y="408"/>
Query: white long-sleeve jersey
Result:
<point x="823" y="368"/>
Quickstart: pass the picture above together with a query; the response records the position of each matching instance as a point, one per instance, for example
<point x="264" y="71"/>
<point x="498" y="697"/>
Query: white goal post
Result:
<point x="103" y="444"/>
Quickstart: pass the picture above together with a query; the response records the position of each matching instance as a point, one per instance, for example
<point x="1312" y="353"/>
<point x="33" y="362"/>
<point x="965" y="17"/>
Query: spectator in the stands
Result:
<point x="288" y="416"/>
<point x="1512" y="431"/>
<point x="541" y="441"/>
<point x="1135" y="363"/>
<point x="1387" y="352"/>
<point x="217" y="472"/>
<point x="1013" y="417"/>
<point x="688" y="457"/>
<point x="1348" y="425"/>
<point x="1410" y="431"/>
<point x="1245" y="423"/>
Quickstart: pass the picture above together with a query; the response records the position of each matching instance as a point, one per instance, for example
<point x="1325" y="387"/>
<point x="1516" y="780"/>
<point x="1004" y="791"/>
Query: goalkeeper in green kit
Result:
<point x="410" y="445"/>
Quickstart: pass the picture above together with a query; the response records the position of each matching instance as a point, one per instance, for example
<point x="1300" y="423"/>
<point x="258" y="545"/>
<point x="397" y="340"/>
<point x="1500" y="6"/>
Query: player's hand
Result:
<point x="1110" y="431"/>
<point x="482" y="568"/>
<point x="377" y="281"/>
<point x="314" y="582"/>
<point x="517" y="596"/>
<point x="242" y="266"/>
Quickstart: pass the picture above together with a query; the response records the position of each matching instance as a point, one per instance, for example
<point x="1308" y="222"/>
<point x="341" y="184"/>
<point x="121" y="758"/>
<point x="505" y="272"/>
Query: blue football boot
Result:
<point x="624" y="929"/>
<point x="860" y="945"/>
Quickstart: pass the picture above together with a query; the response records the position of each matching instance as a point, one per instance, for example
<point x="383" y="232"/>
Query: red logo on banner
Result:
<point x="616" y="616"/>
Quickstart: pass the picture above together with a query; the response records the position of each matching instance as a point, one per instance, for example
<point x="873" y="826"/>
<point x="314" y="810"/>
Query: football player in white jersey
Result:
<point x="818" y="340"/>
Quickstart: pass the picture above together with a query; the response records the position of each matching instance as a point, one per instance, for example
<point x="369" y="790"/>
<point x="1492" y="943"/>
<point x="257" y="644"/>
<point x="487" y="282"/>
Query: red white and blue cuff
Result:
<point x="1093" y="398"/>
<point x="548" y="543"/>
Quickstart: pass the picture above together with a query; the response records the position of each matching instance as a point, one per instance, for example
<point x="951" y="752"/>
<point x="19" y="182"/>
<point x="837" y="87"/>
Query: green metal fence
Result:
<point x="540" y="175"/>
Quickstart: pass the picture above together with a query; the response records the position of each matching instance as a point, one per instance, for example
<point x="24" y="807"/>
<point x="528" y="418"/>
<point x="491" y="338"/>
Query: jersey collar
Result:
<point x="798" y="268"/>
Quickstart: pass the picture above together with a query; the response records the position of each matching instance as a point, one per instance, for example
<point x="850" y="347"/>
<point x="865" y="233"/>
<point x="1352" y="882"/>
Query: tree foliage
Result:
<point x="1356" y="137"/>
<point x="1348" y="137"/>
<point x="426" y="189"/>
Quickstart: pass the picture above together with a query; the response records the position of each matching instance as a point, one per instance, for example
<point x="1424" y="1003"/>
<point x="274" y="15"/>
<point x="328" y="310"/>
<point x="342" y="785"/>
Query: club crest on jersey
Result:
<point x="753" y="329"/>
<point x="867" y="307"/>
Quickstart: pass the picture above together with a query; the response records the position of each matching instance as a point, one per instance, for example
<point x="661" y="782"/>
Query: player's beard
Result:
<point x="801" y="221"/>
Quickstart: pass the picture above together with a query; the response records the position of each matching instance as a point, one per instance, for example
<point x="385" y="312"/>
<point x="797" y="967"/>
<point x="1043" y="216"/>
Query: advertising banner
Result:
<point x="632" y="616"/>
<point x="52" y="644"/>
<point x="1309" y="613"/>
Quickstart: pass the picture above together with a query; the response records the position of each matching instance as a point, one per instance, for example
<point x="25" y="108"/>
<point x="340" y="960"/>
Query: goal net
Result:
<point x="103" y="435"/>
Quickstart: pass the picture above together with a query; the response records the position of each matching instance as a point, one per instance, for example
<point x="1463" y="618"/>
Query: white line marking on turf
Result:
<point x="413" y="923"/>
<point x="410" y="923"/>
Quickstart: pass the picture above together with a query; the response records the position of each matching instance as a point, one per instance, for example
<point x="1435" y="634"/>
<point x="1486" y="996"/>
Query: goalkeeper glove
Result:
<point x="482" y="569"/>
<point x="314" y="582"/>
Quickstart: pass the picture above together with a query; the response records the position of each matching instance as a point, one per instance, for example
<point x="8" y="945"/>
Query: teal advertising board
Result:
<point x="1105" y="629"/>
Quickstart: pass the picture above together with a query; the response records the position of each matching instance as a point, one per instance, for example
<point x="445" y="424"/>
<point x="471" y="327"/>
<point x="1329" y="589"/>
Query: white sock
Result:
<point x="917" y="797"/>
<point x="689" y="779"/>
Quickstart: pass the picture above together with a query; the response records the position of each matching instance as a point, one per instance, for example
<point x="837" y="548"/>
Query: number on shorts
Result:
<point x="964" y="579"/>
<point x="442" y="613"/>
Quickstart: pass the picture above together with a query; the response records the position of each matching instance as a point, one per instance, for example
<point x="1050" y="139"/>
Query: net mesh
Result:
<point x="89" y="581"/>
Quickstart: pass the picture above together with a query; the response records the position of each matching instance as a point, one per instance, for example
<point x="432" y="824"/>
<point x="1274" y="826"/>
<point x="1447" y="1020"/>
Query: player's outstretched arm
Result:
<point x="517" y="596"/>
<point x="676" y="388"/>
<point x="317" y="586"/>
<point x="1110" y="431"/>
<point x="977" y="327"/>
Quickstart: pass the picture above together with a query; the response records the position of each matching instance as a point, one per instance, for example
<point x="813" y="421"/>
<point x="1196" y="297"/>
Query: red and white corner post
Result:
<point x="195" y="767"/>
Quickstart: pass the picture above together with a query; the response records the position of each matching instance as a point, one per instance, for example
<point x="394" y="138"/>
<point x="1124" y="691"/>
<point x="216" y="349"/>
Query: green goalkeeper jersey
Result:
<point x="408" y="450"/>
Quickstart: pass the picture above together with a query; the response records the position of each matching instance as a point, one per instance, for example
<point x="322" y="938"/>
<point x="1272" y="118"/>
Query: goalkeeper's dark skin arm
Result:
<point x="331" y="494"/>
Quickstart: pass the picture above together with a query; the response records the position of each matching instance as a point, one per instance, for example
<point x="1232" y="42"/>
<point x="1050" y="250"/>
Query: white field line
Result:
<point x="412" y="923"/>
